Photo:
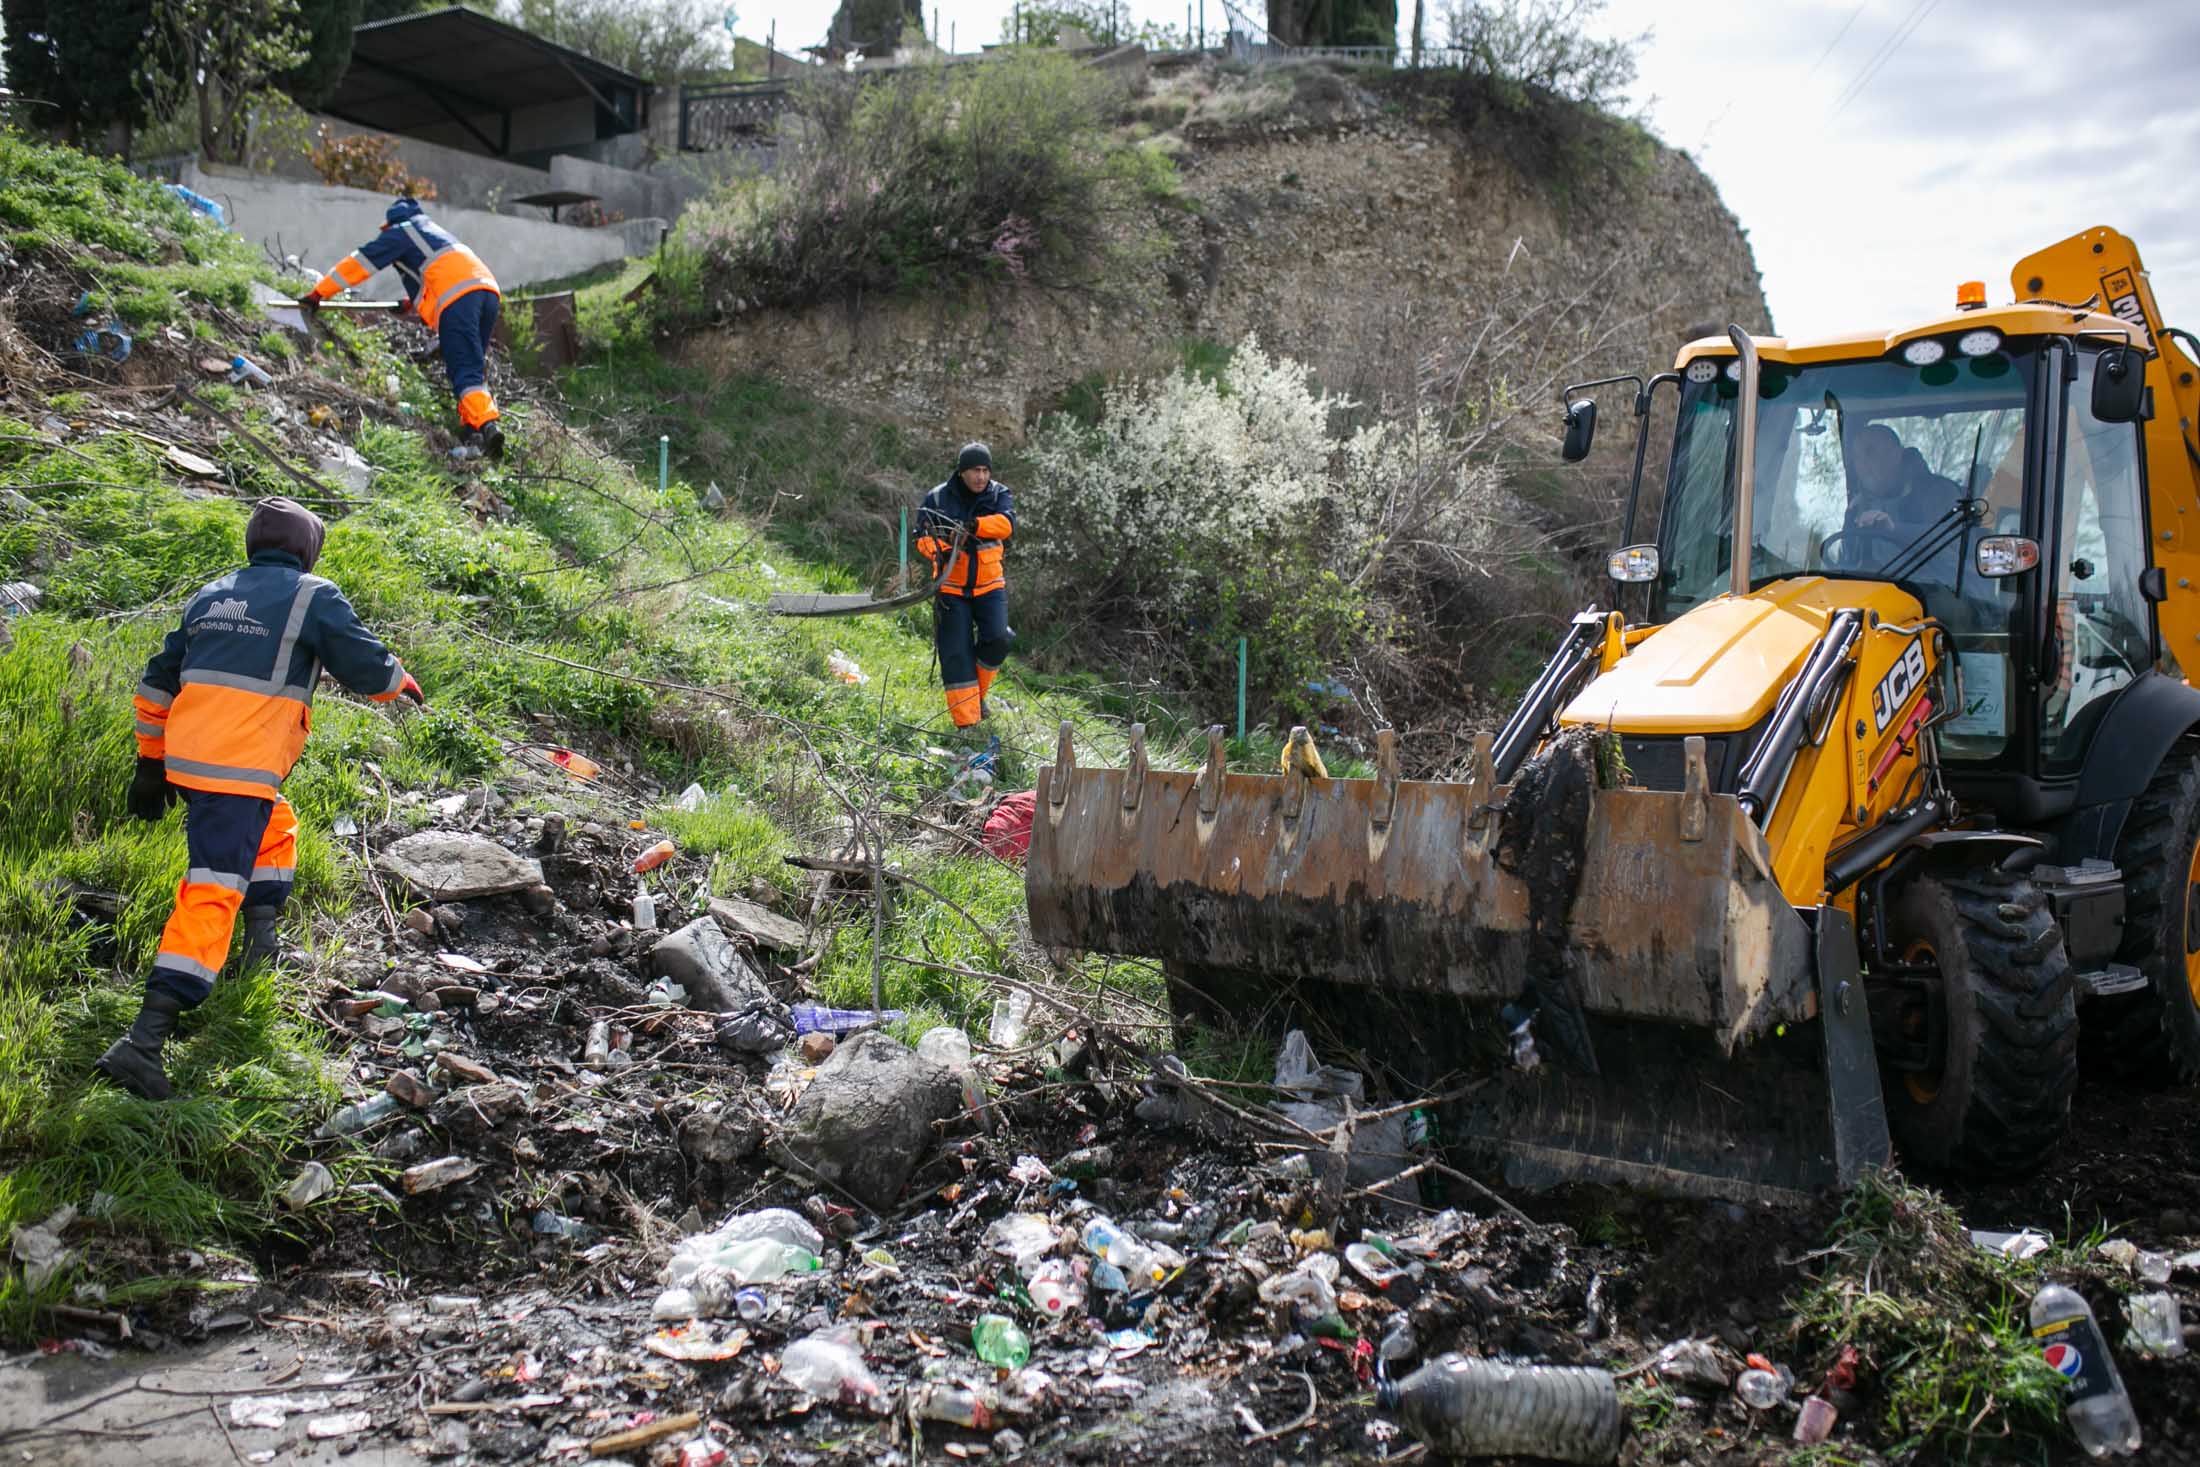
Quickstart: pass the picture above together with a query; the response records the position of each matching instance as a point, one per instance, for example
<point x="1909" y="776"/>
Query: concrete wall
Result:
<point x="320" y="225"/>
<point x="622" y="190"/>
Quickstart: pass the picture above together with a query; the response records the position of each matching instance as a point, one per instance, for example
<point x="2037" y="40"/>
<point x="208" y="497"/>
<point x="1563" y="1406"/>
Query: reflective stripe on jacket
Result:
<point x="435" y="268"/>
<point x="986" y="519"/>
<point x="228" y="699"/>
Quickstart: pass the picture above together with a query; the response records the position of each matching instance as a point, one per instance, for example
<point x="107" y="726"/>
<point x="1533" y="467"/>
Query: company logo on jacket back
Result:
<point x="232" y="615"/>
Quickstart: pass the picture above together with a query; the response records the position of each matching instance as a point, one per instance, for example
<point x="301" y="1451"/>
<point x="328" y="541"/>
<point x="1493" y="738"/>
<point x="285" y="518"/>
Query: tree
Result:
<point x="1042" y="25"/>
<point x="221" y="54"/>
<point x="1334" y="22"/>
<point x="374" y="10"/>
<point x="1544" y="46"/>
<point x="86" y="61"/>
<point x="663" y="41"/>
<point x="328" y="25"/>
<point x="873" y="26"/>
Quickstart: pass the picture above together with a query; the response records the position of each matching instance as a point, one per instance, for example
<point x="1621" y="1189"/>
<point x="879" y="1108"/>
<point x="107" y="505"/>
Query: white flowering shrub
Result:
<point x="1251" y="505"/>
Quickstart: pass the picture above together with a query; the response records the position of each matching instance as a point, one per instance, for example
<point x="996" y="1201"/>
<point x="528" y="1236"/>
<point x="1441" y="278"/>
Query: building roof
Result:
<point x="458" y="65"/>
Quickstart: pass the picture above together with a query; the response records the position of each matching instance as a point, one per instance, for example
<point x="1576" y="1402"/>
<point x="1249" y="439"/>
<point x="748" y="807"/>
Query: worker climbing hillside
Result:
<point x="961" y="528"/>
<point x="222" y="715"/>
<point x="452" y="292"/>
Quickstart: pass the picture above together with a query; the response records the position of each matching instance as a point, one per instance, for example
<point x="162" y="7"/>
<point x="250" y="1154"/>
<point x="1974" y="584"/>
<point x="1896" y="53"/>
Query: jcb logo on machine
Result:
<point x="2122" y="294"/>
<point x="1895" y="688"/>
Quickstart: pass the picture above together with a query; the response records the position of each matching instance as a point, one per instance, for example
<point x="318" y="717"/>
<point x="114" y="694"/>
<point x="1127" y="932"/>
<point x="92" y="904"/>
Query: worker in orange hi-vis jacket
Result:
<point x="454" y="295"/>
<point x="222" y="715"/>
<point x="962" y="528"/>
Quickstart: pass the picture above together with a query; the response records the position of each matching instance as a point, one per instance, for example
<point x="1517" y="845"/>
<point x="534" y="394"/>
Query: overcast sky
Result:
<point x="1879" y="153"/>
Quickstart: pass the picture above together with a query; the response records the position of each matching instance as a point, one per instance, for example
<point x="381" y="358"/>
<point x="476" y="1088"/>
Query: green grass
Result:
<point x="1940" y="1323"/>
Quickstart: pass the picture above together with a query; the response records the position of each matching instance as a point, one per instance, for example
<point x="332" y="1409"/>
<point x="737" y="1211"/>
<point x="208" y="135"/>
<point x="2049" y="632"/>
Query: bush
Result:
<point x="1238" y="504"/>
<point x="357" y="160"/>
<point x="931" y="177"/>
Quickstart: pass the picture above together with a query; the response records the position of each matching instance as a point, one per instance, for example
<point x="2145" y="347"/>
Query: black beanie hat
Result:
<point x="286" y="525"/>
<point x="974" y="455"/>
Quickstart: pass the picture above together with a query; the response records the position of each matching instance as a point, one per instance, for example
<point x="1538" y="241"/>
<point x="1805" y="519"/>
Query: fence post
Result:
<point x="664" y="462"/>
<point x="1241" y="690"/>
<point x="901" y="550"/>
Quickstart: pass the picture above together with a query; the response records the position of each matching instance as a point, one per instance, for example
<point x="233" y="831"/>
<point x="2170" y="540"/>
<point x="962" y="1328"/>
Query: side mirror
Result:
<point x="2006" y="555"/>
<point x="1581" y="429"/>
<point x="2119" y="385"/>
<point x="2154" y="583"/>
<point x="1633" y="563"/>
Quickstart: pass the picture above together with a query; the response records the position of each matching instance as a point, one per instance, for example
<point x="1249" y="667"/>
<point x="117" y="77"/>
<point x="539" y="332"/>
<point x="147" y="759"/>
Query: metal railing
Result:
<point x="730" y="114"/>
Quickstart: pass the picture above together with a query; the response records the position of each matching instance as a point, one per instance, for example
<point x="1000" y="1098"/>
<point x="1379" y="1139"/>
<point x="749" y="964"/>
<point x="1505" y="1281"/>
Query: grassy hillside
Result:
<point x="561" y="599"/>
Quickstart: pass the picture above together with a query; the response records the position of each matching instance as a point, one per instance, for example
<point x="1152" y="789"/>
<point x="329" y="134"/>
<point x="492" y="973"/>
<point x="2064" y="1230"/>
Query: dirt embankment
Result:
<point x="1356" y="229"/>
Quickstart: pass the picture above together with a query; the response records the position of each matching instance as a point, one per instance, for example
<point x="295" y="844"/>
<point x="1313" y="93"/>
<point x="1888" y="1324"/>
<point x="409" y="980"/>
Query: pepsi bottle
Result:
<point x="2070" y="1341"/>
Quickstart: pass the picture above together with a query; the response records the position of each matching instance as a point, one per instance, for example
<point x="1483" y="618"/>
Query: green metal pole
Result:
<point x="901" y="547"/>
<point x="1241" y="690"/>
<point x="664" y="462"/>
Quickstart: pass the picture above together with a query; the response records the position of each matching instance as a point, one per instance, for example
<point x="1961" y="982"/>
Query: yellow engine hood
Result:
<point x="1722" y="666"/>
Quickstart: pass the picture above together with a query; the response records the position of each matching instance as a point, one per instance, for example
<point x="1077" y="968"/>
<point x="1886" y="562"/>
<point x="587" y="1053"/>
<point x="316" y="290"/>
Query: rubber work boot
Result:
<point x="492" y="440"/>
<point x="133" y="1061"/>
<point x="263" y="945"/>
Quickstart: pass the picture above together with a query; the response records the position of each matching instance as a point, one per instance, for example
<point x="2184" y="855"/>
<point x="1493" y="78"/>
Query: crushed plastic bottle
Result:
<point x="1055" y="1289"/>
<point x="353" y="1119"/>
<point x="2099" y="1409"/>
<point x="829" y="1367"/>
<point x="1010" y="1011"/>
<point x="1000" y="1341"/>
<point x="2157" y="1324"/>
<point x="809" y="1018"/>
<point x="939" y="1401"/>
<point x="1466" y="1407"/>
<point x="1025" y="1237"/>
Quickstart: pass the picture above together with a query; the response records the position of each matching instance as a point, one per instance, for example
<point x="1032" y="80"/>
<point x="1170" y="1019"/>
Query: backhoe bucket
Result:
<point x="1700" y="986"/>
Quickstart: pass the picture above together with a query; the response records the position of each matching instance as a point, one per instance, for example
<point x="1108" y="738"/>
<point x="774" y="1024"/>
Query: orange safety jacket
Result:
<point x="986" y="521"/>
<point x="228" y="700"/>
<point x="435" y="268"/>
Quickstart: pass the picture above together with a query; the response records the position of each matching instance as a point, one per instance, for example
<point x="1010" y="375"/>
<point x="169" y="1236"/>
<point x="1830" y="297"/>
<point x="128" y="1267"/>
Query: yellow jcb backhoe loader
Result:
<point x="1893" y="784"/>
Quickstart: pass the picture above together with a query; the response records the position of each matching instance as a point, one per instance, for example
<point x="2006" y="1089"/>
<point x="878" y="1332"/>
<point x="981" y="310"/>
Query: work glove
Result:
<point x="410" y="688"/>
<point x="309" y="302"/>
<point x="150" y="792"/>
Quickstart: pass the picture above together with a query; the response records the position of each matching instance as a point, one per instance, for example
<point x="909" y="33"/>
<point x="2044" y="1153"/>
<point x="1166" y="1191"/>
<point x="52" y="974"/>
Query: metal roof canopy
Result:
<point x="459" y="66"/>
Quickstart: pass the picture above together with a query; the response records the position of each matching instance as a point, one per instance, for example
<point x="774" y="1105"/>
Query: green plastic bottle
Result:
<point x="1000" y="1342"/>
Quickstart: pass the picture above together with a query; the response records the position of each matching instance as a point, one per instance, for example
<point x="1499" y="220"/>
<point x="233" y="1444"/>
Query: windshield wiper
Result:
<point x="1930" y="541"/>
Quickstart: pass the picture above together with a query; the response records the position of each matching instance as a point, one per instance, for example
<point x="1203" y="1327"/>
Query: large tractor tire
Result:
<point x="2154" y="1035"/>
<point x="1998" y="1101"/>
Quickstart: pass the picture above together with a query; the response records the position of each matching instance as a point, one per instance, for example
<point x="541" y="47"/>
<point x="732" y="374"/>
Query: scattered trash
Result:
<point x="109" y="341"/>
<point x="938" y="1401"/>
<point x="433" y="1176"/>
<point x="313" y="1182"/>
<point x="353" y="1119"/>
<point x="828" y="1366"/>
<point x="704" y="1451"/>
<point x="645" y="909"/>
<point x="2025" y="1244"/>
<point x="201" y="203"/>
<point x="1467" y="1407"/>
<point x="1816" y="1420"/>
<point x="2157" y="1324"/>
<point x="655" y="856"/>
<point x="348" y="469"/>
<point x="189" y="464"/>
<point x="714" y="498"/>
<point x="1010" y="1011"/>
<point x="696" y="1341"/>
<point x="1764" y="1385"/>
<point x="20" y="598"/>
<point x="39" y="1249"/>
<point x="1007" y="832"/>
<point x="691" y="799"/>
<point x="999" y="1341"/>
<point x="1693" y="1363"/>
<point x="267" y="1413"/>
<point x="2098" y="1408"/>
<point x="243" y="369"/>
<point x="844" y="667"/>
<point x="810" y="1019"/>
<point x="328" y="1428"/>
<point x="579" y="766"/>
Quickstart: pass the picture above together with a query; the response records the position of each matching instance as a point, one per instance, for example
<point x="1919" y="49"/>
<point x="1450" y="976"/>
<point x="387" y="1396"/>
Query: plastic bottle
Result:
<point x="645" y="909"/>
<point x="655" y="856"/>
<point x="760" y="1260"/>
<point x="830" y="1369"/>
<point x="1466" y="1407"/>
<point x="2070" y="1341"/>
<point x="810" y="1018"/>
<point x="597" y="1051"/>
<point x="938" y="1401"/>
<point x="243" y="369"/>
<point x="999" y="1341"/>
<point x="580" y="766"/>
<point x="1009" y="1013"/>
<point x="1055" y="1290"/>
<point x="355" y="1118"/>
<point x="752" y="1304"/>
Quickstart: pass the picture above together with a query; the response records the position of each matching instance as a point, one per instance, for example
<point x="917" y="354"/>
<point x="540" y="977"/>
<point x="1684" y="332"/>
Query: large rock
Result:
<point x="744" y="918"/>
<point x="704" y="961"/>
<point x="866" y="1121"/>
<point x="451" y="866"/>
